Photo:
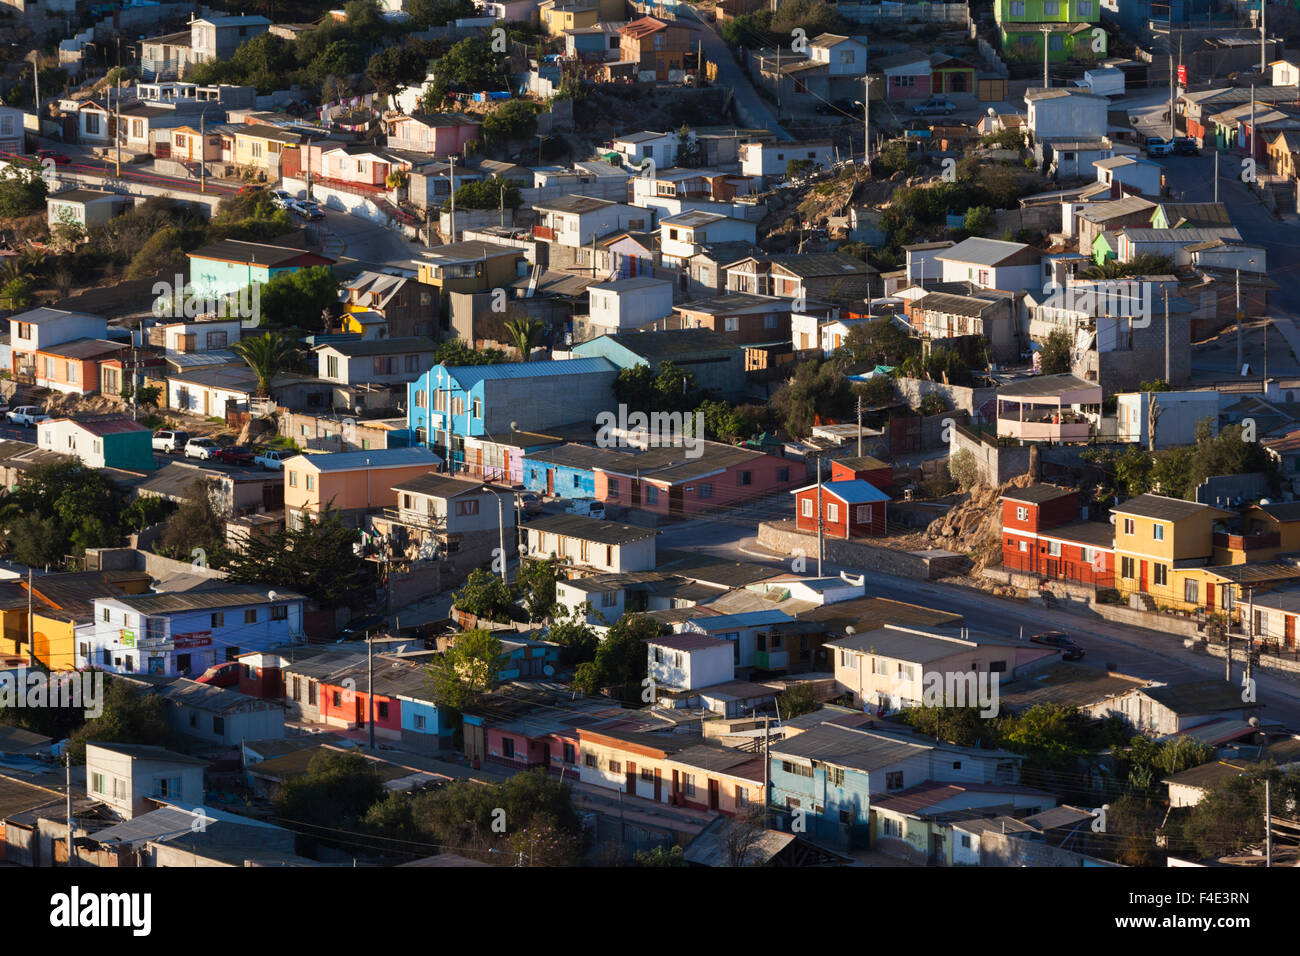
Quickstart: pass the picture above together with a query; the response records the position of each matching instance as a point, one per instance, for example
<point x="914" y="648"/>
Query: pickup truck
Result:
<point x="27" y="415"/>
<point x="1156" y="146"/>
<point x="272" y="459"/>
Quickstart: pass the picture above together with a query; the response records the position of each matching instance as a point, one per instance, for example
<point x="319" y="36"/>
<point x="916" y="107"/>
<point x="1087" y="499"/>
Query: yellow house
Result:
<point x="63" y="603"/>
<point x="556" y="16"/>
<point x="1280" y="519"/>
<point x="259" y="146"/>
<point x="1158" y="541"/>
<point x="13" y="620"/>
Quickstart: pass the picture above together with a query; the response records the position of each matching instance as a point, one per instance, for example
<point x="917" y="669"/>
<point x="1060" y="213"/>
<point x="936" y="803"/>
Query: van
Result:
<point x="587" y="507"/>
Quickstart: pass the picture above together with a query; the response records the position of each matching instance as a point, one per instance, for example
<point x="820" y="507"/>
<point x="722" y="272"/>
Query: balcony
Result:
<point x="544" y="232"/>
<point x="1247" y="542"/>
<point x="1046" y="427"/>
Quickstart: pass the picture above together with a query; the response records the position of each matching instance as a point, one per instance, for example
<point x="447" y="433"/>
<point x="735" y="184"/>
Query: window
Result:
<point x="647" y="775"/>
<point x="1051" y="8"/>
<point x="651" y="495"/>
<point x="97" y="783"/>
<point x="219" y="725"/>
<point x="894" y="828"/>
<point x="332" y="366"/>
<point x="835" y="776"/>
<point x="864" y="514"/>
<point x="280" y="612"/>
<point x="1126" y="568"/>
<point x="311" y="694"/>
<point x="250" y="616"/>
<point x="466" y="508"/>
<point x="744" y="478"/>
<point x="612" y="487"/>
<point x="608" y="598"/>
<point x="614" y="766"/>
<point x="311" y="482"/>
<point x="92" y="124"/>
<point x="894" y="780"/>
<point x="1128" y="526"/>
<point x="688" y="784"/>
<point x="1022" y="514"/>
<point x="1158" y="532"/>
<point x="382" y="708"/>
<point x="965" y="841"/>
<point x="507" y="747"/>
<point x="478" y="407"/>
<point x="807" y="507"/>
<point x="169" y="786"/>
<point x="1191" y="591"/>
<point x="731" y="324"/>
<point x="1089" y="555"/>
<point x="570" y="753"/>
<point x="590" y="760"/>
<point x="1054" y="548"/>
<point x="293" y="479"/>
<point x="742" y="798"/>
<point x="417" y="721"/>
<point x="849" y="660"/>
<point x="218" y="619"/>
<point x="421" y="399"/>
<point x="706" y="491"/>
<point x="832" y="511"/>
<point x="783" y="474"/>
<point x="796" y="769"/>
<point x="107" y="616"/>
<point x="1160" y="575"/>
<point x="412" y="363"/>
<point x="1017" y="8"/>
<point x="1024" y="546"/>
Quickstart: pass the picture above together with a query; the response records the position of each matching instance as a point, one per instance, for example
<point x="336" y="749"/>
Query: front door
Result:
<point x="1142" y="583"/>
<point x="713" y="794"/>
<point x="1290" y="631"/>
<point x="659" y="786"/>
<point x="1209" y="598"/>
<point x="550" y="482"/>
<point x="631" y="778"/>
<point x="676" y="506"/>
<point x="546" y="755"/>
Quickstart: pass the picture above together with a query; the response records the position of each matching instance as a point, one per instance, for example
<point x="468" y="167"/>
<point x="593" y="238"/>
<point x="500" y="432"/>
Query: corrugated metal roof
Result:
<point x="375" y="458"/>
<point x="238" y="595"/>
<point x="467" y="376"/>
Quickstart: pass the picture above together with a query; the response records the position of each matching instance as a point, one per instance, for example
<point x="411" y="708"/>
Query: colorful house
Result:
<point x="1042" y="534"/>
<point x="851" y="509"/>
<point x="1161" y="546"/>
<point x="352" y="484"/>
<point x="1067" y="24"/>
<point x="113" y="442"/>
<point x="229" y="265"/>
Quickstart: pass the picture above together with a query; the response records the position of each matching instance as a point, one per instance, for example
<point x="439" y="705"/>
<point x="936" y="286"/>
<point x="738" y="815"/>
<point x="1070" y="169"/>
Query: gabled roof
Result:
<point x="230" y="595"/>
<point x="1163" y="508"/>
<point x="590" y="529"/>
<point x="855" y="492"/>
<point x="105" y="426"/>
<point x="440" y="486"/>
<point x="375" y="458"/>
<point x="362" y="347"/>
<point x="985" y="252"/>
<point x="467" y="376"/>
<point x="1197" y="697"/>
<point x="674" y="343"/>
<point x="253" y="253"/>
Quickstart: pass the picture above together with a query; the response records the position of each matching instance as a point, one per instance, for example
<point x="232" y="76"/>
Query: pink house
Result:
<point x="357" y="164"/>
<point x="441" y="134"/>
<point x="907" y="75"/>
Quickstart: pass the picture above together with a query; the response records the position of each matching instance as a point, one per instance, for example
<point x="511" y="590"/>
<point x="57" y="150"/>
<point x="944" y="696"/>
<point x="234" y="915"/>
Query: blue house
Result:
<point x="744" y="630"/>
<point x="567" y="471"/>
<point x="528" y="658"/>
<point x="487" y="400"/>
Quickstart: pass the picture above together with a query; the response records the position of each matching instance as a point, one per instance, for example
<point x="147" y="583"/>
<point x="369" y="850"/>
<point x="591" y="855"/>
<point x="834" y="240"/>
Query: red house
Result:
<point x="850" y="509"/>
<point x="871" y="470"/>
<point x="1042" y="534"/>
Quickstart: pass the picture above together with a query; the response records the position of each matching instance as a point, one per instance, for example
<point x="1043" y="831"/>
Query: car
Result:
<point x="587" y="507"/>
<point x="203" y="449"/>
<point x="531" y="503"/>
<point x="1157" y="146"/>
<point x="1186" y="146"/>
<point x="934" y="105"/>
<point x="221" y="675"/>
<point x="27" y="415"/>
<point x="272" y="459"/>
<point x="1070" y="651"/>
<point x="170" y="441"/>
<point x="58" y="159"/>
<point x="234" y="455"/>
<point x="280" y="198"/>
<point x="306" y="209"/>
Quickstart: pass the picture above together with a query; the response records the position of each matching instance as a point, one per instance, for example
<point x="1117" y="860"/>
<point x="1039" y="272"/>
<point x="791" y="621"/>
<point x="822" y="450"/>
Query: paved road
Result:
<point x="751" y="109"/>
<point x="362" y="239"/>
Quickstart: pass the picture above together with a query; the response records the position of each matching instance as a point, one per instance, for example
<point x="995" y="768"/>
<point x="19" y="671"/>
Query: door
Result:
<point x="1142" y="581"/>
<point x="183" y="664"/>
<point x="713" y="794"/>
<point x="1209" y="598"/>
<point x="156" y="665"/>
<point x="676" y="506"/>
<point x="550" y="482"/>
<point x="631" y="778"/>
<point x="546" y="755"/>
<point x="659" y="786"/>
<point x="1289" y="635"/>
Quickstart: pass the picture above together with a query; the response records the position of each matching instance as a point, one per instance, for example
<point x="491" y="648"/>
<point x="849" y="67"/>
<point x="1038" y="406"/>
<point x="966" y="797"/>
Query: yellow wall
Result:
<point x="13" y="632"/>
<point x="55" y="642"/>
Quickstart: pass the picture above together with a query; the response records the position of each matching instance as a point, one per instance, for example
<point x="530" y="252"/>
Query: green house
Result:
<point x="229" y="265"/>
<point x="1105" y="247"/>
<point x="1071" y="25"/>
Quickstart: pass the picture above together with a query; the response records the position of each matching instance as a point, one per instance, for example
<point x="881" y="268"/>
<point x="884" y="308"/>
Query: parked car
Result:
<point x="170" y="441"/>
<point x="531" y="503"/>
<point x="1070" y="651"/>
<point x="203" y="449"/>
<point x="934" y="105"/>
<point x="221" y="675"/>
<point x="306" y="209"/>
<point x="234" y="455"/>
<point x="280" y="198"/>
<point x="1186" y="146"/>
<point x="1157" y="146"/>
<point x="27" y="415"/>
<point x="587" y="507"/>
<point x="59" y="159"/>
<point x="272" y="459"/>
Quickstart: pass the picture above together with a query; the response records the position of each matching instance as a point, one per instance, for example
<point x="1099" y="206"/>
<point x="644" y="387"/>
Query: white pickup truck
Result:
<point x="587" y="507"/>
<point x="27" y="415"/>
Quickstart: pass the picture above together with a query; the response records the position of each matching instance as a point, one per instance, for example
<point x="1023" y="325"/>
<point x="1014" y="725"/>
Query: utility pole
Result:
<point x="818" y="459"/>
<point x="1263" y="38"/>
<point x="866" y="122"/>
<point x="1268" y="822"/>
<point x="36" y="82"/>
<point x="117" y="131"/>
<point x="31" y="645"/>
<point x="779" y="84"/>
<point x="1168" y="377"/>
<point x="1240" y="358"/>
<point x="67" y="783"/>
<point x="1250" y="630"/>
<point x="501" y="536"/>
<point x="767" y="769"/>
<point x="203" y="153"/>
<point x="452" y="158"/>
<point x="501" y="205"/>
<point x="859" y="426"/>
<point x="1216" y="172"/>
<point x="370" y="687"/>
<point x="1171" y="96"/>
<point x="1047" y="80"/>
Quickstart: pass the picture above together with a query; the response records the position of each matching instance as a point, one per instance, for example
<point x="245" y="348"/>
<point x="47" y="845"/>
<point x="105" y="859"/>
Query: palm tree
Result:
<point x="1110" y="269"/>
<point x="524" y="333"/>
<point x="267" y="355"/>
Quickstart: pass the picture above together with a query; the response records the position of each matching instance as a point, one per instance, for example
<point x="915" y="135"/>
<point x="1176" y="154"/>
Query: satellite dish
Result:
<point x="270" y="595"/>
<point x="514" y="426"/>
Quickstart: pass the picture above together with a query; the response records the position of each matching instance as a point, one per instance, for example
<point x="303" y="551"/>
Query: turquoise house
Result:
<point x="112" y="442"/>
<point x="229" y="265"/>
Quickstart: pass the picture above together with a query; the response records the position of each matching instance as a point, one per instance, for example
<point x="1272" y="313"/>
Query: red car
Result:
<point x="59" y="159"/>
<point x="234" y="455"/>
<point x="221" y="675"/>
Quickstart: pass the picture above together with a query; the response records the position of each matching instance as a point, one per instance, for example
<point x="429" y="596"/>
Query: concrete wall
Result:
<point x="780" y="536"/>
<point x="997" y="464"/>
<point x="959" y="397"/>
<point x="1003" y="849"/>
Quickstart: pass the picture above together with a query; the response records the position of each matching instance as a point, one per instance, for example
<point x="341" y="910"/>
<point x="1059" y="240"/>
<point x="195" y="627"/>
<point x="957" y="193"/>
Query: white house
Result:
<point x="1222" y="254"/>
<point x="682" y="235"/>
<point x="844" y="56"/>
<point x="576" y="220"/>
<point x="592" y="542"/>
<point x="743" y="631"/>
<point x="1141" y="175"/>
<point x="82" y="207"/>
<point x="12" y="123"/>
<point x="382" y="361"/>
<point x="220" y="715"/>
<point x="1176" y="416"/>
<point x="1285" y="72"/>
<point x="992" y="264"/>
<point x="629" y="303"/>
<point x="187" y="632"/>
<point x="37" y="329"/>
<point x="125" y="776"/>
<point x="1065" y="113"/>
<point x="923" y="263"/>
<point x="1174" y="243"/>
<point x="217" y="37"/>
<point x="771" y="159"/>
<point x="98" y="443"/>
<point x="689" y="661"/>
<point x="196" y="335"/>
<point x="638" y="147"/>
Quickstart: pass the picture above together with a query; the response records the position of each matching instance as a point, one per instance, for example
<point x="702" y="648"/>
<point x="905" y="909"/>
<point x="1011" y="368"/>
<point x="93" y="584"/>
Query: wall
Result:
<point x="998" y="464"/>
<point x="922" y="565"/>
<point x="1004" y="849"/>
<point x="959" y="397"/>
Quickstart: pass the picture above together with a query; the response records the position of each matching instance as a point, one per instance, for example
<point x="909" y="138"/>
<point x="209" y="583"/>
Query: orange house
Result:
<point x="655" y="46"/>
<point x="73" y="367"/>
<point x="352" y="484"/>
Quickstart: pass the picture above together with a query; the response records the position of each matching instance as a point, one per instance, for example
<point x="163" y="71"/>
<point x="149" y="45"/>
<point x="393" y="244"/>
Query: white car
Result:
<point x="273" y="458"/>
<point x="280" y="198"/>
<point x="201" y="448"/>
<point x="587" y="507"/>
<point x="27" y="415"/>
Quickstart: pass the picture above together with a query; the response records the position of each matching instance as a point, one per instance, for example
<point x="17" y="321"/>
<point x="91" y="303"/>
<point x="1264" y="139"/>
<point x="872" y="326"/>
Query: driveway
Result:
<point x="751" y="109"/>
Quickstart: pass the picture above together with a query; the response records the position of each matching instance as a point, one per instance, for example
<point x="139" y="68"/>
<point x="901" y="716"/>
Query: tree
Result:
<point x="470" y="66"/>
<point x="661" y="856"/>
<point x="454" y="352"/>
<point x="395" y="68"/>
<point x="300" y="299"/>
<point x="964" y="469"/>
<point x="22" y="191"/>
<point x="1056" y="353"/>
<point x="195" y="524"/>
<point x="979" y="220"/>
<point x="16" y="294"/>
<point x="896" y="157"/>
<point x="59" y="509"/>
<point x="817" y="391"/>
<point x="487" y="194"/>
<point x="798" y="168"/>
<point x="536" y="582"/>
<point x="144" y="511"/>
<point x="467" y="669"/>
<point x="437" y="13"/>
<point x="512" y="121"/>
<point x="163" y="249"/>
<point x="576" y="637"/>
<point x="796" y="700"/>
<point x="267" y="355"/>
<point x="317" y="558"/>
<point x="335" y="793"/>
<point x="881" y="341"/>
<point x="524" y="332"/>
<point x="485" y="595"/>
<point x="130" y="715"/>
<point x="620" y="661"/>
<point x="742" y="833"/>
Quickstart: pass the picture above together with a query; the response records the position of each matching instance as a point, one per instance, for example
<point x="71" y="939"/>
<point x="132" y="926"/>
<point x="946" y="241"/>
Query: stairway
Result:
<point x="1143" y="602"/>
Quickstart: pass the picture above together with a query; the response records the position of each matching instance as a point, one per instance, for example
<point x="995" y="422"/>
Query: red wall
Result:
<point x="354" y="708"/>
<point x="1068" y="566"/>
<point x="1051" y="514"/>
<point x="880" y="478"/>
<point x="847" y="524"/>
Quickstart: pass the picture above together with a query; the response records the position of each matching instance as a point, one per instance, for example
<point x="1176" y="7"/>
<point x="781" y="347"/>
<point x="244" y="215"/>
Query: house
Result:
<point x="1169" y="709"/>
<point x="1094" y="219"/>
<point x="1160" y="542"/>
<point x="190" y="336"/>
<point x="601" y="599"/>
<point x="992" y="264"/>
<point x="741" y="317"/>
<point x="1042" y="535"/>
<point x="132" y="779"/>
<point x="1190" y="787"/>
<point x="574" y="221"/>
<point x="915" y="824"/>
<point x="220" y="716"/>
<point x="62" y="613"/>
<point x="851" y="509"/>
<point x="894" y="667"/>
<point x="756" y="637"/>
<point x="187" y="632"/>
<point x="376" y="361"/>
<point x="681" y="662"/>
<point x="657" y="48"/>
<point x="1129" y="174"/>
<point x="469" y="266"/>
<point x="761" y="158"/>
<point x="988" y="315"/>
<point x="260" y="147"/>
<point x="843" y="56"/>
<point x="952" y="76"/>
<point x="1052" y="408"/>
<point x="626" y="304"/>
<point x="592" y="542"/>
<point x="1065" y="113"/>
<point x="832" y="277"/>
<point x="677" y="480"/>
<point x="478" y="400"/>
<point x="352" y="484"/>
<point x="229" y="265"/>
<point x="395" y="306"/>
<point x="923" y="263"/>
<point x="717" y="363"/>
<point x="42" y="328"/>
<point x="73" y="368"/>
<point x="907" y="74"/>
<point x="1173" y="417"/>
<point x="113" y="442"/>
<point x="233" y="492"/>
<point x="439" y="134"/>
<point x="83" y="208"/>
<point x="165" y="56"/>
<point x="683" y="235"/>
<point x="461" y="520"/>
<point x="636" y="148"/>
<point x="218" y="37"/>
<point x="1174" y="243"/>
<point x="12" y="136"/>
